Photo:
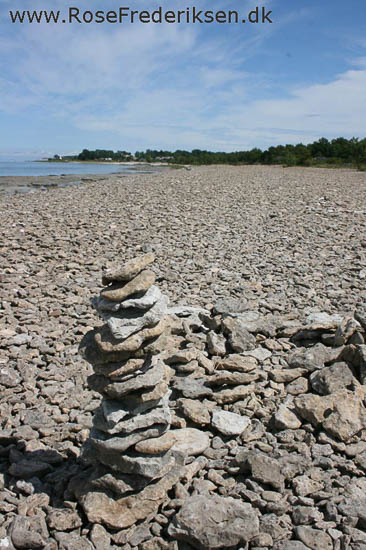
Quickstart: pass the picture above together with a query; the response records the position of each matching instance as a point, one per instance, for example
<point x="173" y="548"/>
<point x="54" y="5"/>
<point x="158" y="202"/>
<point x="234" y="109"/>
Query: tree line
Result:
<point x="337" y="152"/>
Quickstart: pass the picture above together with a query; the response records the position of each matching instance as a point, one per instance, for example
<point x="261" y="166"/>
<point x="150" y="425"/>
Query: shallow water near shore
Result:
<point x="34" y="168"/>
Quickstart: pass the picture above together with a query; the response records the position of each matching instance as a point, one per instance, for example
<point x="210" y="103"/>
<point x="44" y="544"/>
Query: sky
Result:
<point x="218" y="86"/>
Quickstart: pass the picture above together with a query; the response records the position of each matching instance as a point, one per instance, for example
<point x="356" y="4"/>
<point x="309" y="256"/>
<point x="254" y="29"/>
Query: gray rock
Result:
<point x="118" y="291"/>
<point x="116" y="390"/>
<point x="192" y="388"/>
<point x="213" y="522"/>
<point x="262" y="468"/>
<point x="146" y="301"/>
<point x="149" y="466"/>
<point x="331" y="379"/>
<point x="124" y="324"/>
<point x="239" y="337"/>
<point x="313" y="538"/>
<point x="229" y="423"/>
<point x="115" y="411"/>
<point x="309" y="359"/>
<point x="322" y="318"/>
<point x="230" y="306"/>
<point x="28" y="532"/>
<point x="103" y="445"/>
<point x="216" y="344"/>
<point x="129" y="270"/>
<point x="261" y="354"/>
<point x="345" y="331"/>
<point x="285" y="419"/>
<point x="159" y="415"/>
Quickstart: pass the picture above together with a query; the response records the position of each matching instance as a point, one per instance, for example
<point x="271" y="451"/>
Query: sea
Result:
<point x="16" y="167"/>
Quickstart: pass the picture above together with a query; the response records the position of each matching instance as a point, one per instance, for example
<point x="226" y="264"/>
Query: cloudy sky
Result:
<point x="64" y="87"/>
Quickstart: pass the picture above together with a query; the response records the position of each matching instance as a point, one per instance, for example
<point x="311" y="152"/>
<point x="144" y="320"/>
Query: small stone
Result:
<point x="63" y="520"/>
<point x="107" y="343"/>
<point x="129" y="270"/>
<point x="216" y="344"/>
<point x="229" y="423"/>
<point x="286" y="419"/>
<point x="213" y="522"/>
<point x="313" y="538"/>
<point x="236" y="362"/>
<point x="239" y="337"/>
<point x="100" y="537"/>
<point x="118" y="292"/>
<point x="331" y="379"/>
<point x="232" y="378"/>
<point x="232" y="395"/>
<point x="263" y="468"/>
<point x="187" y="440"/>
<point x="129" y="321"/>
<point x="122" y="513"/>
<point x="192" y="388"/>
<point x="261" y="354"/>
<point x="195" y="411"/>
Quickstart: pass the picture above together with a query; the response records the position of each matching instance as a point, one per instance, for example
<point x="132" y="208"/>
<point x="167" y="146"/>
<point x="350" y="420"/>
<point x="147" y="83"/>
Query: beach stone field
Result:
<point x="183" y="361"/>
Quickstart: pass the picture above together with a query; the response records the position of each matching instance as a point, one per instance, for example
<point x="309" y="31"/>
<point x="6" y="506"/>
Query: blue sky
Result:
<point x="210" y="86"/>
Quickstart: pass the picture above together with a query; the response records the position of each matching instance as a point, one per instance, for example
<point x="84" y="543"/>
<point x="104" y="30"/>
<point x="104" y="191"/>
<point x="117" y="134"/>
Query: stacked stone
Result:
<point x="134" y="384"/>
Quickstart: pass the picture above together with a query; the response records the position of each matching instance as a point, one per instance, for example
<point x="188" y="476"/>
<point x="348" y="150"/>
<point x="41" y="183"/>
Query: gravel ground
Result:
<point x="284" y="241"/>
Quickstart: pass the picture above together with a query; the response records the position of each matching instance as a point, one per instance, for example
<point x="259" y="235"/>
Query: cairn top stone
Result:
<point x="119" y="291"/>
<point x="128" y="270"/>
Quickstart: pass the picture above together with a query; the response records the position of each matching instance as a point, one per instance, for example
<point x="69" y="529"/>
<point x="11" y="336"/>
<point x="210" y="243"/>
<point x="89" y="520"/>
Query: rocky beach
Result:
<point x="248" y="323"/>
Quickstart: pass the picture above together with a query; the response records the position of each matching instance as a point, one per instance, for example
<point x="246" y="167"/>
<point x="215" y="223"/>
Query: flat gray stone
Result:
<point x="131" y="383"/>
<point x="119" y="291"/>
<point x="331" y="379"/>
<point x="124" y="324"/>
<point x="116" y="411"/>
<point x="145" y="301"/>
<point x="128" y="270"/>
<point x="261" y="354"/>
<point x="213" y="522"/>
<point x="104" y="445"/>
<point x="239" y="337"/>
<point x="192" y="388"/>
<point x="229" y="423"/>
<point x="160" y="415"/>
<point x="149" y="466"/>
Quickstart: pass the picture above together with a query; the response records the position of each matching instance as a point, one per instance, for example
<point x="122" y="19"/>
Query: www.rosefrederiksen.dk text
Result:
<point x="127" y="15"/>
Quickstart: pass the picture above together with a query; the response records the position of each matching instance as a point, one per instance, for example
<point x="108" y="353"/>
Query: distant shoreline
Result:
<point x="122" y="163"/>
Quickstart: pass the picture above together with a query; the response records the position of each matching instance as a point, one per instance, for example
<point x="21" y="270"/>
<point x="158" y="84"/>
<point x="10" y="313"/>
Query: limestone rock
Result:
<point x="159" y="415"/>
<point x="261" y="467"/>
<point x="309" y="359"/>
<point x="141" y="301"/>
<point x="233" y="394"/>
<point x="192" y="388"/>
<point x="129" y="270"/>
<point x="124" y="512"/>
<point x="216" y="343"/>
<point x="232" y="378"/>
<point x="229" y="423"/>
<point x="188" y="441"/>
<point x="213" y="522"/>
<point x="195" y="411"/>
<point x="236" y="362"/>
<point x="140" y="380"/>
<point x="331" y="379"/>
<point x="285" y="419"/>
<point x="108" y="344"/>
<point x="118" y="292"/>
<point x="129" y="321"/>
<point x="239" y="337"/>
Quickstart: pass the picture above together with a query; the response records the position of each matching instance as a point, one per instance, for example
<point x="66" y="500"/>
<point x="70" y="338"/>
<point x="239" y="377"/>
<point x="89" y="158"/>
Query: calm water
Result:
<point x="30" y="168"/>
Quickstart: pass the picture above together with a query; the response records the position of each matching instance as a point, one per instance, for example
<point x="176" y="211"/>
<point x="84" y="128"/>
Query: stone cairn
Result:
<point x="134" y="460"/>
